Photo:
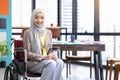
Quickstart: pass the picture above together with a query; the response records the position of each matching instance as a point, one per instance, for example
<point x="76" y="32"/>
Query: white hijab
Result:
<point x="34" y="30"/>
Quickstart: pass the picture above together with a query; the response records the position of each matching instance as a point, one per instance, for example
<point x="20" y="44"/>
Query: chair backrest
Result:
<point x="19" y="52"/>
<point x="55" y="31"/>
<point x="23" y="30"/>
<point x="18" y="43"/>
<point x="19" y="57"/>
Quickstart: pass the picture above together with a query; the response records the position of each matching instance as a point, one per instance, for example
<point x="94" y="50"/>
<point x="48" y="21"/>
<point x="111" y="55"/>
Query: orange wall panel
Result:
<point x="4" y="7"/>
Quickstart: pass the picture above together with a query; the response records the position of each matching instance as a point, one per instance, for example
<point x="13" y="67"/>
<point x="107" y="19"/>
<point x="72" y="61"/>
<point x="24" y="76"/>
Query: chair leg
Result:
<point x="111" y="65"/>
<point x="70" y="67"/>
<point x="67" y="68"/>
<point x="69" y="64"/>
<point x="116" y="72"/>
<point x="90" y="69"/>
<point x="90" y="64"/>
<point x="107" y="69"/>
<point x="61" y="54"/>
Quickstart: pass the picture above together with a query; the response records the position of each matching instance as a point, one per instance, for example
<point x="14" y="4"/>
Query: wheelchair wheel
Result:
<point x="9" y="73"/>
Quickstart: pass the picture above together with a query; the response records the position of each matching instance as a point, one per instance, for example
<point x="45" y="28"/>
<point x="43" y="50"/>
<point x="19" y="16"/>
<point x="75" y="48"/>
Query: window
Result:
<point x="21" y="12"/>
<point x="66" y="14"/>
<point x="109" y="16"/>
<point x="85" y="16"/>
<point x="50" y="9"/>
<point x="109" y="23"/>
<point x="66" y="18"/>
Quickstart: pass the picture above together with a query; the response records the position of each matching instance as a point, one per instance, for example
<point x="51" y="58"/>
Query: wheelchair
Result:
<point x="17" y="69"/>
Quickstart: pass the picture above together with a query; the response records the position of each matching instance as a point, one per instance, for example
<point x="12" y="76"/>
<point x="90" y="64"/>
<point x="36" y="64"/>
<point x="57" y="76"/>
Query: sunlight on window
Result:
<point x="21" y="12"/>
<point x="66" y="14"/>
<point x="85" y="16"/>
<point x="109" y="16"/>
<point x="110" y="23"/>
<point x="50" y="9"/>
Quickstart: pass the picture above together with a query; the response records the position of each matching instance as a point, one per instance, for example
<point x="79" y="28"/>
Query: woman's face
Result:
<point x="39" y="19"/>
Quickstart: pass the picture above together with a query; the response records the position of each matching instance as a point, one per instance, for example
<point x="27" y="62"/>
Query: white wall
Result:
<point x="2" y="36"/>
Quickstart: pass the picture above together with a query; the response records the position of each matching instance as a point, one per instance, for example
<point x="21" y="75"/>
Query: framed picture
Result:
<point x="2" y="23"/>
<point x="4" y="7"/>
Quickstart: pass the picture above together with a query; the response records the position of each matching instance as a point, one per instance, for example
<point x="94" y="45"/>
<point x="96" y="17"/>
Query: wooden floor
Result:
<point x="79" y="72"/>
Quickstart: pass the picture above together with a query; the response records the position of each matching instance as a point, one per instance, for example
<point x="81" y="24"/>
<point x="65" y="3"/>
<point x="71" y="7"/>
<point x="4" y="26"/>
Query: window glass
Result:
<point x="109" y="23"/>
<point x="66" y="14"/>
<point x="112" y="47"/>
<point x="109" y="16"/>
<point x="50" y="10"/>
<point x="21" y="12"/>
<point x="85" y="16"/>
<point x="66" y="18"/>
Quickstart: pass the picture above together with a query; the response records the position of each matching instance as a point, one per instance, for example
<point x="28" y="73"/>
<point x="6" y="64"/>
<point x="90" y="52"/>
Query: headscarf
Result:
<point x="34" y="31"/>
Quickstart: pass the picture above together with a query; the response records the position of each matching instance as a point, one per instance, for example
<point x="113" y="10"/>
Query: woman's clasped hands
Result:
<point x="50" y="56"/>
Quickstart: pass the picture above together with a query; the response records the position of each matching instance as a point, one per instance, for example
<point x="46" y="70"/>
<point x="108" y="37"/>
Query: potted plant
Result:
<point x="4" y="51"/>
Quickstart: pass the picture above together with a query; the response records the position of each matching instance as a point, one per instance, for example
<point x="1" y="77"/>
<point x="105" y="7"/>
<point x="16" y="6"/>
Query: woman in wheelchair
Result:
<point x="37" y="41"/>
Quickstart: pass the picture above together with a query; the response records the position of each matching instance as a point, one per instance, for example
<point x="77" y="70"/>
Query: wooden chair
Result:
<point x="116" y="72"/>
<point x="71" y="58"/>
<point x="110" y="62"/>
<point x="55" y="31"/>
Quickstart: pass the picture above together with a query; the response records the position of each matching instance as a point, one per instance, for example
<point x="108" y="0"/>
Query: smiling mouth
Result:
<point x="39" y="25"/>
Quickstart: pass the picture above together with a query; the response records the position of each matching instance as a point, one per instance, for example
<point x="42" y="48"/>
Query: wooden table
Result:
<point x="96" y="47"/>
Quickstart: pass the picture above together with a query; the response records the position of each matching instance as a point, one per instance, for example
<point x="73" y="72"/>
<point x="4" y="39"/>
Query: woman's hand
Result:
<point x="50" y="56"/>
<point x="53" y="56"/>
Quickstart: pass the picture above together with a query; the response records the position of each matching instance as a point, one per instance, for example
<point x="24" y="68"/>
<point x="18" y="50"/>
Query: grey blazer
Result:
<point x="34" y="58"/>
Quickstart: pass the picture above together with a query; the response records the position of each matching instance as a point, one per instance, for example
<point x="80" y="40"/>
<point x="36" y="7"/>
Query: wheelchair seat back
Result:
<point x="19" y="61"/>
<point x="18" y="44"/>
<point x="19" y="57"/>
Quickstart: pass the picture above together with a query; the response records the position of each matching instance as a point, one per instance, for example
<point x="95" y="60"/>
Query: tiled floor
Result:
<point x="79" y="72"/>
<point x="2" y="73"/>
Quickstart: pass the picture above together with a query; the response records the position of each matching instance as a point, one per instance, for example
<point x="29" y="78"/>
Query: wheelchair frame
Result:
<point x="17" y="69"/>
